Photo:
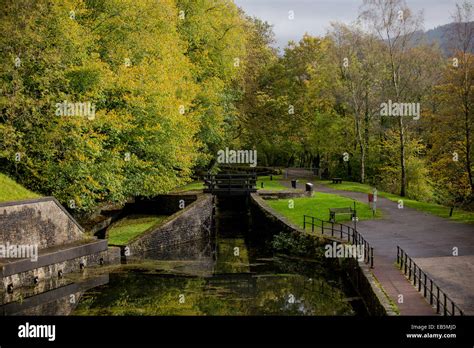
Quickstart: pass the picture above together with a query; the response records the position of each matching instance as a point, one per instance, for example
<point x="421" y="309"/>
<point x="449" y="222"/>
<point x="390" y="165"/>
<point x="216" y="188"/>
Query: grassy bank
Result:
<point x="271" y="185"/>
<point x="192" y="186"/>
<point x="128" y="228"/>
<point x="318" y="206"/>
<point x="431" y="208"/>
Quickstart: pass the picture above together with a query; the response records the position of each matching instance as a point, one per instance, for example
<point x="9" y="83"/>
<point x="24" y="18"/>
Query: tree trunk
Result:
<point x="403" y="183"/>
<point x="468" y="146"/>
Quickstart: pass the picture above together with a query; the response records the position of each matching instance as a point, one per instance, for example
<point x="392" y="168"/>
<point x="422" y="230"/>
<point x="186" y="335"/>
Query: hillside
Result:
<point x="441" y="36"/>
<point x="12" y="191"/>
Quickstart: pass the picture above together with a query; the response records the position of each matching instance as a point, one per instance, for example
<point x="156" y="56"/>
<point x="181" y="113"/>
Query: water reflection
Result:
<point x="227" y="274"/>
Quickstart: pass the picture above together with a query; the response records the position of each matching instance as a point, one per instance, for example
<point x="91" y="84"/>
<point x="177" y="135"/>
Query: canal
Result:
<point x="235" y="272"/>
<point x="238" y="270"/>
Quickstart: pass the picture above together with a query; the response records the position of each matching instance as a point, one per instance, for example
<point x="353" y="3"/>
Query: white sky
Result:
<point x="314" y="16"/>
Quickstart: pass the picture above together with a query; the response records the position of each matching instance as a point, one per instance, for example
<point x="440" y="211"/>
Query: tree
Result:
<point x="396" y="26"/>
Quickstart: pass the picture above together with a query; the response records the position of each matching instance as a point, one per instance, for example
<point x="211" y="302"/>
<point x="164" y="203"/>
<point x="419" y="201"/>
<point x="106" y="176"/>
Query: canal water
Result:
<point x="235" y="272"/>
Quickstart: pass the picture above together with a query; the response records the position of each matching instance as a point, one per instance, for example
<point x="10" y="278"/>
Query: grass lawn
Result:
<point x="432" y="208"/>
<point x="122" y="231"/>
<point x="271" y="185"/>
<point x="318" y="206"/>
<point x="12" y="191"/>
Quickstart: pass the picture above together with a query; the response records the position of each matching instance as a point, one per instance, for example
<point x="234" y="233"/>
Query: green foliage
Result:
<point x="296" y="244"/>
<point x="163" y="89"/>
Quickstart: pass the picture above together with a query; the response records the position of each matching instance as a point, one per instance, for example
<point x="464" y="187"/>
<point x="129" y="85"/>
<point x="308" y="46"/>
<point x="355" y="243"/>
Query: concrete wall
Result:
<point x="43" y="222"/>
<point x="376" y="301"/>
<point x="192" y="223"/>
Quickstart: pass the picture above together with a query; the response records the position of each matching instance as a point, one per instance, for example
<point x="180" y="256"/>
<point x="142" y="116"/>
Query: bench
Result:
<point x="337" y="180"/>
<point x="334" y="211"/>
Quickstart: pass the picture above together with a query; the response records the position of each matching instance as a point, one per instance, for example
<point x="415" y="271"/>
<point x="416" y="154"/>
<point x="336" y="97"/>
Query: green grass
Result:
<point x="197" y="185"/>
<point x="128" y="228"/>
<point x="318" y="206"/>
<point x="271" y="185"/>
<point x="431" y="208"/>
<point x="12" y="191"/>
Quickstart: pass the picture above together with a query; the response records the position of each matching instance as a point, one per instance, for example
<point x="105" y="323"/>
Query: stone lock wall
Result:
<point x="43" y="222"/>
<point x="190" y="224"/>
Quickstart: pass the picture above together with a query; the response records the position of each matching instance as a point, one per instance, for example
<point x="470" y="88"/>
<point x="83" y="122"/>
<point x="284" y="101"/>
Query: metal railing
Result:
<point x="342" y="232"/>
<point x="222" y="183"/>
<point x="426" y="285"/>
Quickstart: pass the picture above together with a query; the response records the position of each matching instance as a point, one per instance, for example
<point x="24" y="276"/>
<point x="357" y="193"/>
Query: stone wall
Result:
<point x="43" y="222"/>
<point x="46" y="276"/>
<point x="191" y="223"/>
<point x="62" y="247"/>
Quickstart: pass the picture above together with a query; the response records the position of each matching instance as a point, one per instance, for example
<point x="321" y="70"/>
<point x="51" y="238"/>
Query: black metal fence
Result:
<point x="230" y="183"/>
<point x="426" y="285"/>
<point x="341" y="231"/>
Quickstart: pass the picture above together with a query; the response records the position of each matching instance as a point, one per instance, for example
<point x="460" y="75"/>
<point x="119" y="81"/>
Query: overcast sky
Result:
<point x="314" y="16"/>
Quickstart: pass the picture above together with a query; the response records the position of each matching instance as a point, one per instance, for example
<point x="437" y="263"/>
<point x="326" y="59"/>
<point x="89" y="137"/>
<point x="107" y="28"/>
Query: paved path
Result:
<point x="421" y="235"/>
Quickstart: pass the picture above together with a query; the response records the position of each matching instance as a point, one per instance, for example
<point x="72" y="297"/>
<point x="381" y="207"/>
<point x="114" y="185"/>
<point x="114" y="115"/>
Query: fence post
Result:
<point x="409" y="269"/>
<point x="405" y="262"/>
<point x="312" y="224"/>
<point x="445" y="305"/>
<point x="304" y="222"/>
<point x="341" y="231"/>
<point x="332" y="229"/>
<point x="371" y="257"/>
<point x="419" y="279"/>
<point x="431" y="291"/>
<point x="414" y="274"/>
<point x="398" y="255"/>
<point x="437" y="300"/>
<point x="322" y="227"/>
<point x="425" y="285"/>
<point x="366" y="252"/>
